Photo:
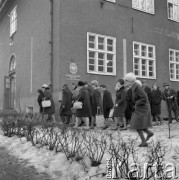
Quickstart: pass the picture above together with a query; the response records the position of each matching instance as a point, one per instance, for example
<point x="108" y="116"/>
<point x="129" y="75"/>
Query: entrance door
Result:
<point x="7" y="92"/>
<point x="12" y="90"/>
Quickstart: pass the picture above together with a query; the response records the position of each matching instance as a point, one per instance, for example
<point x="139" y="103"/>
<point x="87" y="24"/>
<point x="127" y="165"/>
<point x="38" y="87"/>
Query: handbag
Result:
<point x="46" y="103"/>
<point x="111" y="113"/>
<point x="99" y="120"/>
<point x="77" y="105"/>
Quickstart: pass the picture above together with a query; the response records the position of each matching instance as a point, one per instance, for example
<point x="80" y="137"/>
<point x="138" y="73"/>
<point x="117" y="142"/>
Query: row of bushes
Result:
<point x="79" y="145"/>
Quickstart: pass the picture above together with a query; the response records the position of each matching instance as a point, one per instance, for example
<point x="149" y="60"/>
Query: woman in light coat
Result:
<point x="141" y="117"/>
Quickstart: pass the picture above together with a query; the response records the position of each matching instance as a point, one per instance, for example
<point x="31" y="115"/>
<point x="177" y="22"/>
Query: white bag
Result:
<point x="99" y="120"/>
<point x="77" y="105"/>
<point x="111" y="113"/>
<point x="46" y="103"/>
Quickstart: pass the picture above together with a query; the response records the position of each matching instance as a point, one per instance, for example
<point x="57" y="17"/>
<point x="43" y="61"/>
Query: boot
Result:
<point x="77" y="122"/>
<point x="87" y="123"/>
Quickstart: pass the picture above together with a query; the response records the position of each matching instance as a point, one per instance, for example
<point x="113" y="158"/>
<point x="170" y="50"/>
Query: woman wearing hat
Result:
<point x="50" y="111"/>
<point x="141" y="117"/>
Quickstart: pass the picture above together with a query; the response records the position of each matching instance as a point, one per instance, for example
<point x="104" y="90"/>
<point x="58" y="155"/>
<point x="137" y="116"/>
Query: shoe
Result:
<point x="105" y="127"/>
<point x="123" y="129"/>
<point x="114" y="128"/>
<point x="149" y="136"/>
<point x="143" y="145"/>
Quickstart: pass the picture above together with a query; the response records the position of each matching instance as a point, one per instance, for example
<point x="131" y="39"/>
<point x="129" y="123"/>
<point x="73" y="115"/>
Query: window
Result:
<point x="13" y="21"/>
<point x="144" y="5"/>
<point x="144" y="62"/>
<point x="101" y="54"/>
<point x="12" y="65"/>
<point x="174" y="64"/>
<point x="173" y="10"/>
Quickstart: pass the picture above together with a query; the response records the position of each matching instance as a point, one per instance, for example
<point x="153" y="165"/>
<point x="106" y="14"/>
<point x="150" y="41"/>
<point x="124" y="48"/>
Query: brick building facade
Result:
<point x="57" y="42"/>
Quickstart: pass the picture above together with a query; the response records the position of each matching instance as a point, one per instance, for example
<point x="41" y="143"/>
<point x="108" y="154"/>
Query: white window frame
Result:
<point x="173" y="62"/>
<point x="146" y="58"/>
<point x="105" y="52"/>
<point x="176" y="4"/>
<point x="144" y="10"/>
<point x="13" y="21"/>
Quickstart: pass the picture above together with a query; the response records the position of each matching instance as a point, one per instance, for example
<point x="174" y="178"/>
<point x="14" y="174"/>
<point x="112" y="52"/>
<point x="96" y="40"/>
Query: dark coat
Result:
<point x="48" y="96"/>
<point x="130" y="104"/>
<point x="149" y="93"/>
<point x="141" y="117"/>
<point x="107" y="103"/>
<point x="156" y="98"/>
<point x="96" y="101"/>
<point x="86" y="108"/>
<point x="39" y="100"/>
<point x="171" y="103"/>
<point x="120" y="102"/>
<point x="66" y="104"/>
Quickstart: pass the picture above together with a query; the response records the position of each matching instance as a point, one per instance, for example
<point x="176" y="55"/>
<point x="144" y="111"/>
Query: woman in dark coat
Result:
<point x="66" y="104"/>
<point x="120" y="104"/>
<point x="50" y="111"/>
<point x="141" y="117"/>
<point x="84" y="113"/>
<point x="96" y="102"/>
<point x="40" y="99"/>
<point x="107" y="101"/>
<point x="156" y="98"/>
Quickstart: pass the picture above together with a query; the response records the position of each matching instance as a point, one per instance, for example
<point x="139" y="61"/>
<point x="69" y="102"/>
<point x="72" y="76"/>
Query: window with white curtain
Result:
<point x="174" y="64"/>
<point x="13" y="21"/>
<point x="144" y="5"/>
<point x="173" y="10"/>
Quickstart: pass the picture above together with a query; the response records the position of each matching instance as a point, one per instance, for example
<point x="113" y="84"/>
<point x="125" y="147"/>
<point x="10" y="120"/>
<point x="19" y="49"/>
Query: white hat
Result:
<point x="138" y="82"/>
<point x="130" y="77"/>
<point x="44" y="86"/>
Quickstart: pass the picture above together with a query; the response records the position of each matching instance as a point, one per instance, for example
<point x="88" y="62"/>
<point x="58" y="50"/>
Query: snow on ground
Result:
<point x="59" y="168"/>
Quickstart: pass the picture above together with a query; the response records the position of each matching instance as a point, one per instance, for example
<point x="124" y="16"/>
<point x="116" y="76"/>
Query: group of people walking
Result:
<point x="135" y="103"/>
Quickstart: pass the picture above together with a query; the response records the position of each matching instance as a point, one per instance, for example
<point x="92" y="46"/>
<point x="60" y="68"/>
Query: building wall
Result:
<point x="72" y="20"/>
<point x="122" y="22"/>
<point x="30" y="47"/>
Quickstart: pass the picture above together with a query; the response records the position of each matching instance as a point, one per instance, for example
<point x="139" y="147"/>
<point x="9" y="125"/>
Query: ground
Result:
<point x="21" y="160"/>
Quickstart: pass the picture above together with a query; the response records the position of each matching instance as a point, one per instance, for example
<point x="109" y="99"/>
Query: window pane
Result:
<point x="170" y="11"/>
<point x="110" y="63"/>
<point x="110" y="69"/>
<point x="151" y="74"/>
<point x="100" y="68"/>
<point x="172" y="71"/>
<point x="109" y="44"/>
<point x="171" y="56"/>
<point x="144" y="51"/>
<point x="100" y="56"/>
<point x="92" y="41"/>
<point x="109" y="57"/>
<point x="135" y="4"/>
<point x="150" y="52"/>
<point x="142" y="4"/>
<point x="136" y="72"/>
<point x="91" y="61"/>
<point x="91" y="68"/>
<point x="136" y="49"/>
<point x="177" y="56"/>
<point x="100" y="43"/>
<point x="100" y="62"/>
<point x="149" y="6"/>
<point x="91" y="54"/>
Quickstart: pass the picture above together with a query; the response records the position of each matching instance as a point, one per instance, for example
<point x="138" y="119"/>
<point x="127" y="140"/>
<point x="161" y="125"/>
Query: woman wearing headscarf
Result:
<point x="141" y="117"/>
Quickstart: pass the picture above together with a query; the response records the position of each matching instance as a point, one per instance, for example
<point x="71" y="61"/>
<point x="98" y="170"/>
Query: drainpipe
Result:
<point x="51" y="44"/>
